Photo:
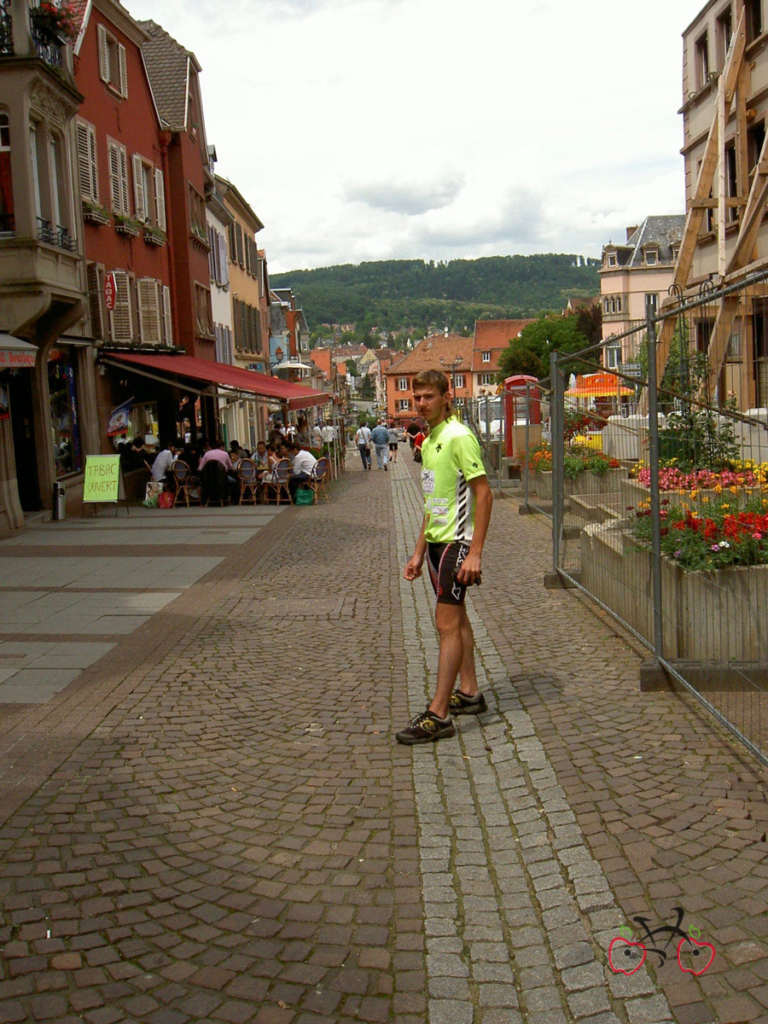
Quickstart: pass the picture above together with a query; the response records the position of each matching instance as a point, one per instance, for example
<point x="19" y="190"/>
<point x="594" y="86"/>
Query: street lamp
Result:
<point x="452" y="366"/>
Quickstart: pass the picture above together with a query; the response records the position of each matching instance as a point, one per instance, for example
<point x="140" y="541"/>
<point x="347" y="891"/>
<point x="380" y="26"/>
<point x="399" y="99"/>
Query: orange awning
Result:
<point x="598" y="385"/>
<point x="297" y="396"/>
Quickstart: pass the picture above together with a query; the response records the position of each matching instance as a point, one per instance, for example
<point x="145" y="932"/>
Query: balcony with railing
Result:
<point x="55" y="234"/>
<point x="48" y="45"/>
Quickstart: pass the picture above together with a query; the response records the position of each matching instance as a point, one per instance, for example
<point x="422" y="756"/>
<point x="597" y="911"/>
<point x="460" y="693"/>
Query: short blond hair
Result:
<point x="432" y="379"/>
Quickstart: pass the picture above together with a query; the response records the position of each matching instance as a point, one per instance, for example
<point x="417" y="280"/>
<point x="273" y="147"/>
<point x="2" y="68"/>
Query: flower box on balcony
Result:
<point x="154" y="236"/>
<point x="199" y="239"/>
<point x="127" y="226"/>
<point x="94" y="214"/>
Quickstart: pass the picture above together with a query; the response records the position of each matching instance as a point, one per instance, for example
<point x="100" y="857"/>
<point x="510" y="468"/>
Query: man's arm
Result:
<point x="413" y="566"/>
<point x="471" y="568"/>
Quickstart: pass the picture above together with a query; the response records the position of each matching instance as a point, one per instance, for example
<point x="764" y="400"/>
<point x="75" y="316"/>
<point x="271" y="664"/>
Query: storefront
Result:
<point x="187" y="397"/>
<point x="19" y="487"/>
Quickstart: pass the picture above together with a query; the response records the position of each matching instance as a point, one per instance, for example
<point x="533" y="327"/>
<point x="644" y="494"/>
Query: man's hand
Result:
<point x="412" y="569"/>
<point x="470" y="571"/>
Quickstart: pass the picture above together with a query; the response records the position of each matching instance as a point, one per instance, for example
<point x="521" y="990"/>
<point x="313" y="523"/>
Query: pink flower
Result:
<point x="757" y="536"/>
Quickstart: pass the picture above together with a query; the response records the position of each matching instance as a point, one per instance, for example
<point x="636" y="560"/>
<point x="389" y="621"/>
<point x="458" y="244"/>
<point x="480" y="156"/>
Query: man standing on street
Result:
<point x="457" y="511"/>
<point x="380" y="438"/>
<point x="363" y="441"/>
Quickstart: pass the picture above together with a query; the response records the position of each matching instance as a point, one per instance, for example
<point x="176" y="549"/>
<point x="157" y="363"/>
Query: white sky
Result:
<point x="438" y="129"/>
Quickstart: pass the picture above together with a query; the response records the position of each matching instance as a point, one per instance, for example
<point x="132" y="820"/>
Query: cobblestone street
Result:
<point x="212" y="820"/>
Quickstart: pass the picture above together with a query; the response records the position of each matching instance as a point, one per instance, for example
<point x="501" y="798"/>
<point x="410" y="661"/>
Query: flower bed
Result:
<point x="586" y="471"/>
<point x="721" y="535"/>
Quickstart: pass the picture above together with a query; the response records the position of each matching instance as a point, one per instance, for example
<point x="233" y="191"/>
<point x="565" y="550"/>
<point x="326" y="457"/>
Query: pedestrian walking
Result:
<point x="363" y="442"/>
<point x="393" y="442"/>
<point x="457" y="511"/>
<point x="380" y="438"/>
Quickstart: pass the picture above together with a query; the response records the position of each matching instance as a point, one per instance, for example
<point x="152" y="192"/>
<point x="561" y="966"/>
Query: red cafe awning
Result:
<point x="598" y="385"/>
<point x="297" y="396"/>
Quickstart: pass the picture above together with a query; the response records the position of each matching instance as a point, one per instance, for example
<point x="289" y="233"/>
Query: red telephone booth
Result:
<point x="522" y="404"/>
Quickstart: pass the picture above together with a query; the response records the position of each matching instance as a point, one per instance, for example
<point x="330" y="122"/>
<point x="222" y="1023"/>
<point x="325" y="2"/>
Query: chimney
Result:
<point x="631" y="230"/>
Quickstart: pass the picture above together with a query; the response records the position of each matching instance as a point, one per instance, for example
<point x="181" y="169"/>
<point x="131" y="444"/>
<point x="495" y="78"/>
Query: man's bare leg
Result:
<point x="467" y="673"/>
<point x="448" y="619"/>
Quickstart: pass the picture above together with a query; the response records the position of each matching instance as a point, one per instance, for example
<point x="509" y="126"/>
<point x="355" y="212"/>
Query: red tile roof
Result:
<point x="436" y="353"/>
<point x="494" y="336"/>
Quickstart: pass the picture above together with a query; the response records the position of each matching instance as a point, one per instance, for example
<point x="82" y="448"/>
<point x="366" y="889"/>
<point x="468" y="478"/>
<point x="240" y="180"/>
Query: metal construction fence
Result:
<point x="652" y="459"/>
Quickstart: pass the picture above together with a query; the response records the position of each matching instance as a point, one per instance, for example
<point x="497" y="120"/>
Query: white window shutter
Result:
<point x="160" y="199"/>
<point x="139" y="198"/>
<point x="123" y="84"/>
<point x="121" y="317"/>
<point x="101" y="35"/>
<point x="167" y="320"/>
<point x="94" y="167"/>
<point x="84" y="160"/>
<point x="223" y="260"/>
<point x="149" y="311"/>
<point x="95" y="301"/>
<point x="212" y="251"/>
<point x="115" y="192"/>
<point x="124" y="194"/>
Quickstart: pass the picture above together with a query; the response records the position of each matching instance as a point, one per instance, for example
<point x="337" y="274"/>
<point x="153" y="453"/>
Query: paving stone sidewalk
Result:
<point x="234" y="835"/>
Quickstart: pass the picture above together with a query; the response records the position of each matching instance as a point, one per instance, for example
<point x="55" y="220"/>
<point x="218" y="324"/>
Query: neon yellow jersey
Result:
<point x="450" y="458"/>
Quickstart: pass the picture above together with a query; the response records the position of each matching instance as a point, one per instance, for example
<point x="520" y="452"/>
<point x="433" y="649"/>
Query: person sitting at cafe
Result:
<point x="218" y="453"/>
<point x="161" y="467"/>
<point x="261" y="456"/>
<point x="304" y="463"/>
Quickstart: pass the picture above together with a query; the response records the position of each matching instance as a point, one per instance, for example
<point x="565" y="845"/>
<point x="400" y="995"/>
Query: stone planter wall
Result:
<point x="708" y="616"/>
<point x="585" y="483"/>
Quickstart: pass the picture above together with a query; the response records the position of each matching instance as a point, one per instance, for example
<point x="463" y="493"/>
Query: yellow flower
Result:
<point x="718" y="489"/>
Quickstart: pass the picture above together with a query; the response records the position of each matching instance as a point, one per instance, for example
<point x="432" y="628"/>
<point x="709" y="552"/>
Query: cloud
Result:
<point x="406" y="198"/>
<point x="519" y="218"/>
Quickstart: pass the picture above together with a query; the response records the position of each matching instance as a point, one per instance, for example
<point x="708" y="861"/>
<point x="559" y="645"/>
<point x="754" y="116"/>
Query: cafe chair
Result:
<point x="214" y="482"/>
<point x="318" y="482"/>
<point x="250" y="482"/>
<point x="276" y="484"/>
<point x="184" y="483"/>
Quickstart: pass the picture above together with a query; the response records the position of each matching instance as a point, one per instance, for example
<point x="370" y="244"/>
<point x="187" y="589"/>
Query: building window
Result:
<point x="217" y="257"/>
<point x="122" y="318"/>
<point x="203" y="313"/>
<point x="402" y="383"/>
<point x="65" y="420"/>
<point x="197" y="223"/>
<point x="118" y="178"/>
<point x="724" y="33"/>
<point x="651" y="257"/>
<point x="702" y="61"/>
<point x="612" y="356"/>
<point x="34" y="153"/>
<point x="754" y="16"/>
<point x="611" y="258"/>
<point x="148" y="192"/>
<point x="95" y="278"/>
<point x="150" y="303"/>
<point x="755" y="140"/>
<point x="486" y="357"/>
<point x="403" y="405"/>
<point x="112" y="66"/>
<point x="7" y="222"/>
<point x="224" y="351"/>
<point x="458" y="380"/>
<point x="486" y="378"/>
<point x="87" y="168"/>
<point x="651" y="302"/>
<point x="731" y="184"/>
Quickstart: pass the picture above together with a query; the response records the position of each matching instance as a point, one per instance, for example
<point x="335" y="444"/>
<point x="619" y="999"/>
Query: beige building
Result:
<point x="46" y="420"/>
<point x="636" y="273"/>
<point x="725" y="106"/>
<point x="249" y="290"/>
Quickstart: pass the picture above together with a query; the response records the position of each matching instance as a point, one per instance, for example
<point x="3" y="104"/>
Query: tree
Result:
<point x="531" y="351"/>
<point x="351" y="367"/>
<point x="367" y="390"/>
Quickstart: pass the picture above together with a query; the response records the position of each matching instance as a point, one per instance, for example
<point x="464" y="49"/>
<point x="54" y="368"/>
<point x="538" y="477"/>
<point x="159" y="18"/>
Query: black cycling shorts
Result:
<point x="443" y="562"/>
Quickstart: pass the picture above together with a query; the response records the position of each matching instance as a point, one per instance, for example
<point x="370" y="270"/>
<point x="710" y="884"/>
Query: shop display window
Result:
<point x="65" y="420"/>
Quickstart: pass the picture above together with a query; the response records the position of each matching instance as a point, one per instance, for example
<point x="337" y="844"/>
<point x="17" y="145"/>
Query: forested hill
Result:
<point x="393" y="294"/>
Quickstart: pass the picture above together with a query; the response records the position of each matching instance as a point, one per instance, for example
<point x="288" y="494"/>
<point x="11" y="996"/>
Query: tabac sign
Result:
<point x="103" y="481"/>
<point x="15" y="354"/>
